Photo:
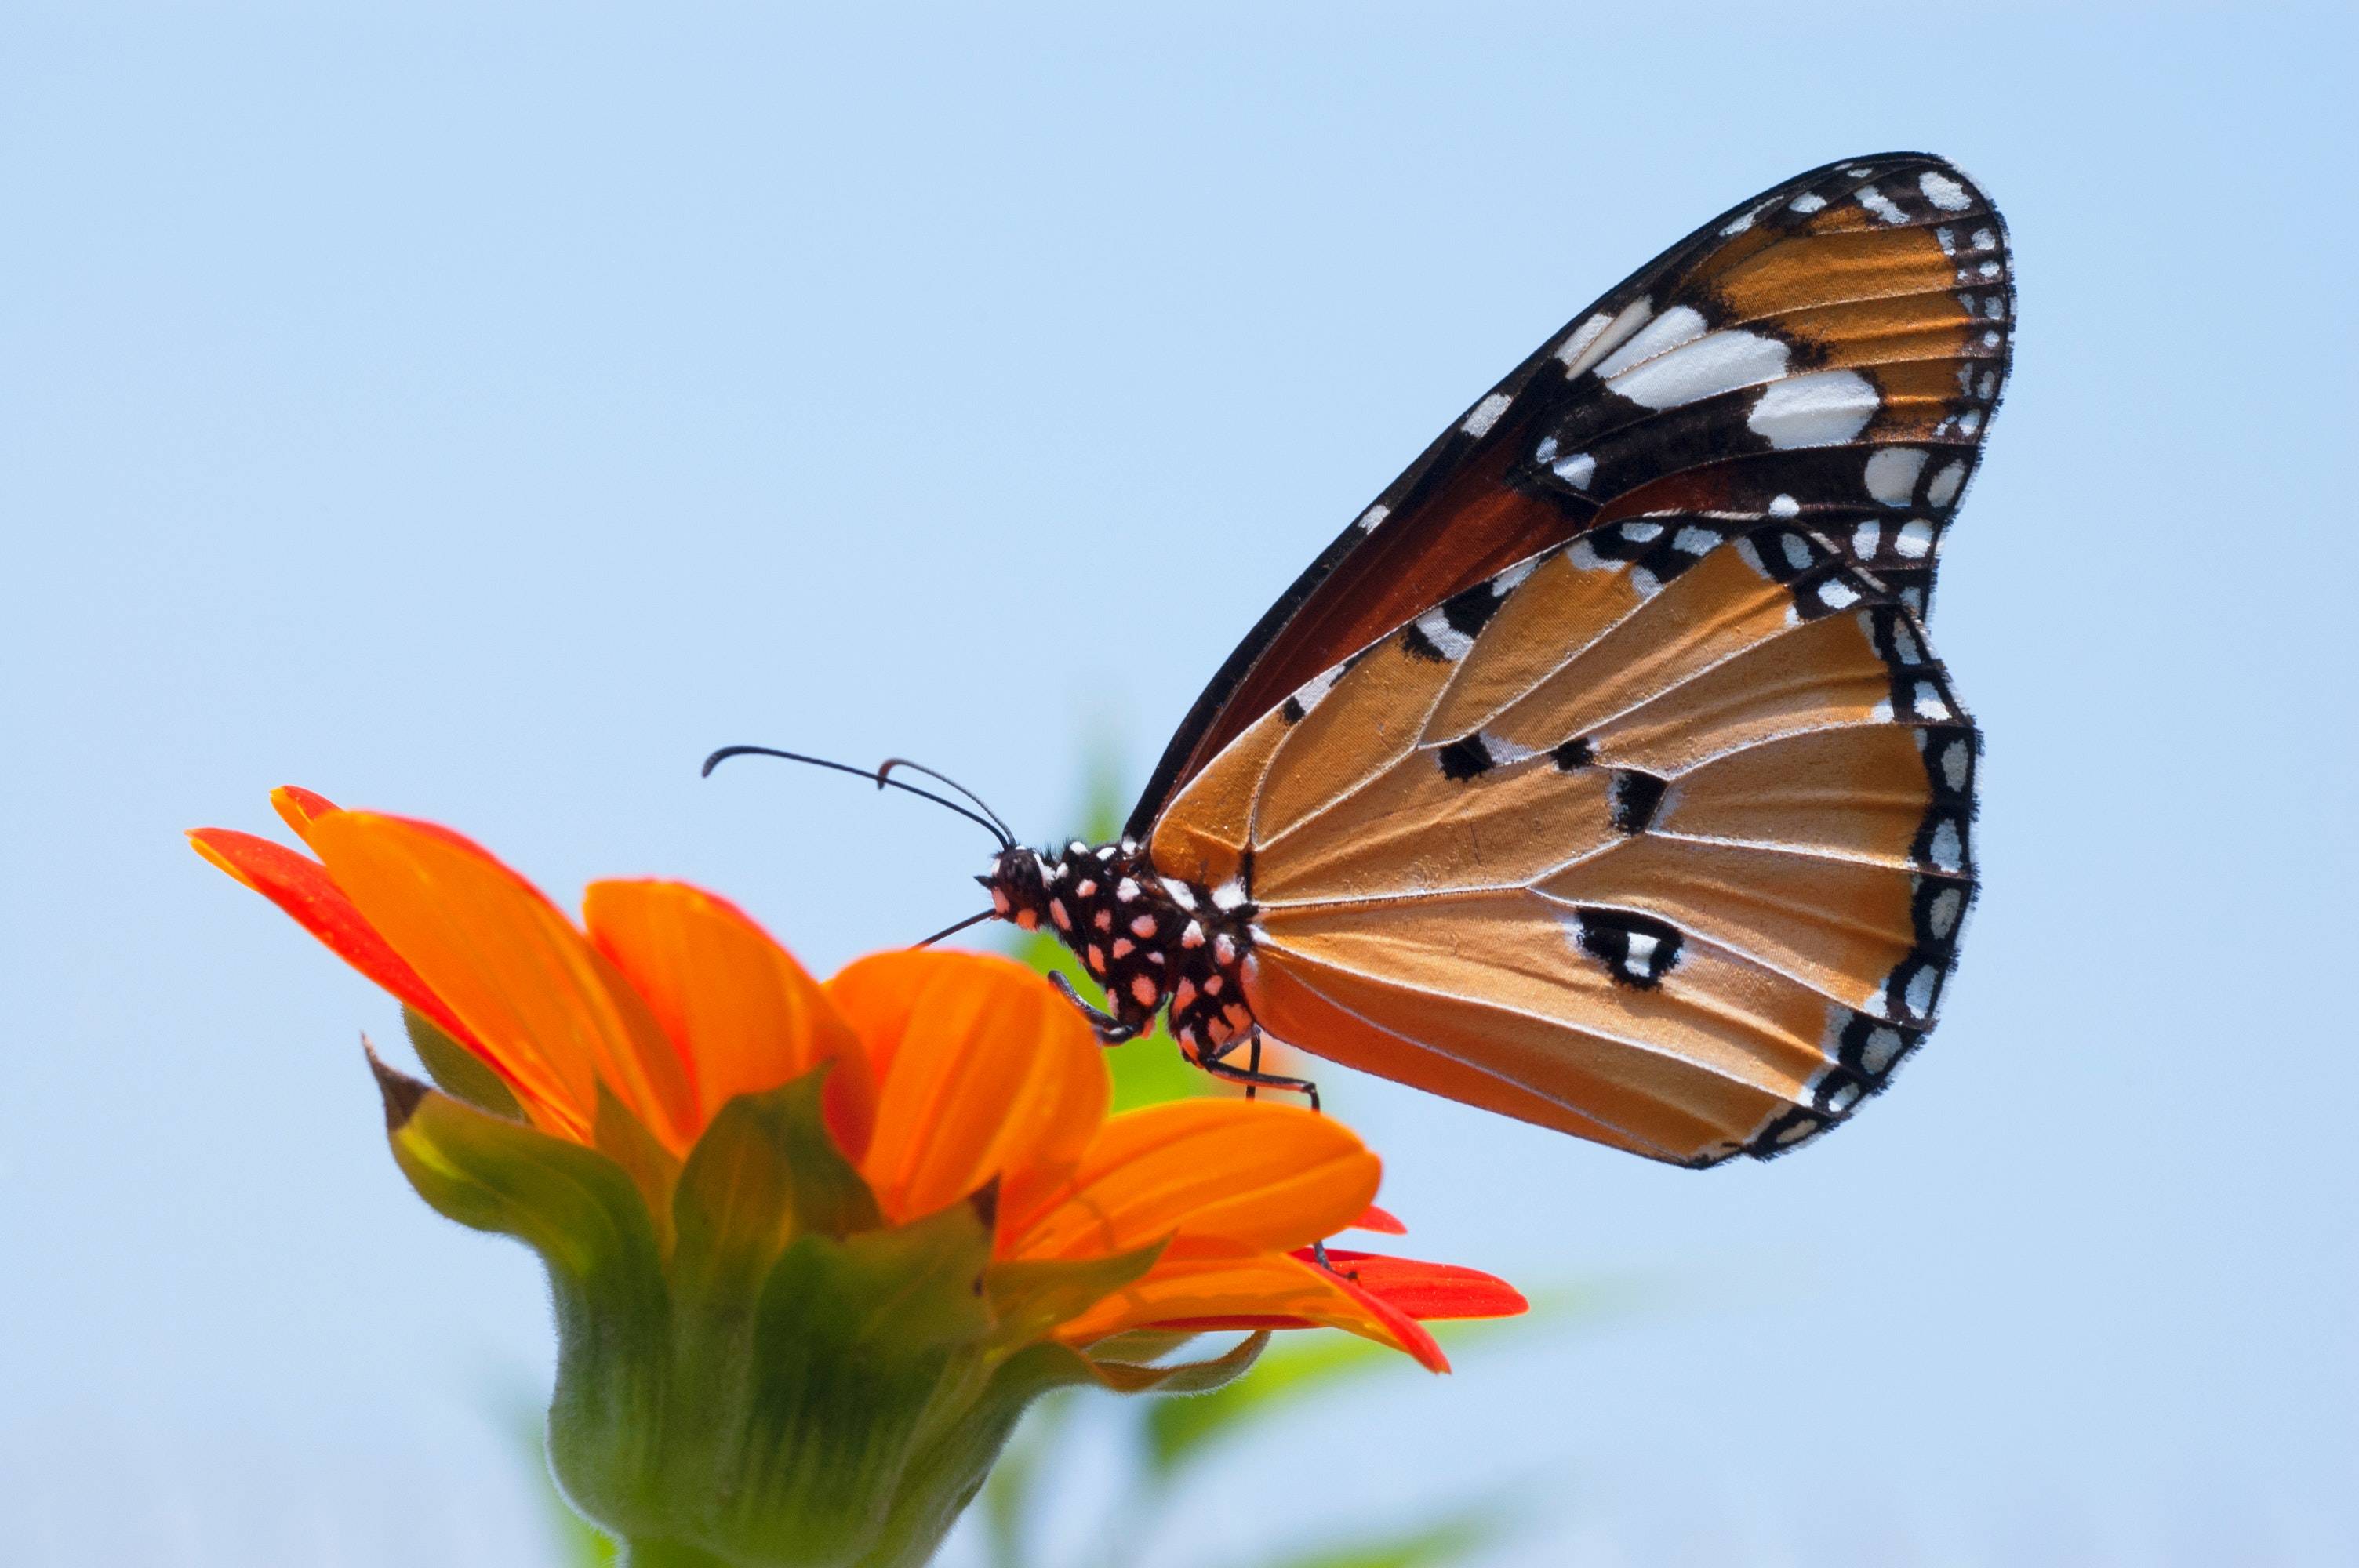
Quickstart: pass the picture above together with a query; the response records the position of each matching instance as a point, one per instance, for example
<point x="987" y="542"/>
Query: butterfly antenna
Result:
<point x="990" y="825"/>
<point x="954" y="930"/>
<point x="889" y="763"/>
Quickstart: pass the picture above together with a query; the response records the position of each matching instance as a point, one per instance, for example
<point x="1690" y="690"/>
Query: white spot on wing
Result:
<point x="1586" y="347"/>
<point x="1883" y="206"/>
<point x="1486" y="414"/>
<point x="1453" y="643"/>
<point x="1706" y="367"/>
<point x="1680" y="324"/>
<point x="1310" y="695"/>
<point x="1915" y="539"/>
<point x="1507" y="581"/>
<point x="1880" y="1051"/>
<point x="1892" y="474"/>
<point x="1808" y="201"/>
<point x="1638" y="962"/>
<point x="1785" y="507"/>
<point x="1743" y="222"/>
<point x="1822" y="409"/>
<point x="1576" y="470"/>
<point x="1944" y="487"/>
<point x="1577" y="342"/>
<point x="1905" y="647"/>
<point x="1866" y="538"/>
<point x="1943" y="192"/>
<point x="1374" y="515"/>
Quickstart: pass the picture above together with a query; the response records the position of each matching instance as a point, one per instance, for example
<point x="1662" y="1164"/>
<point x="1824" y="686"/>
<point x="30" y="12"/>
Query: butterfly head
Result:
<point x="1019" y="885"/>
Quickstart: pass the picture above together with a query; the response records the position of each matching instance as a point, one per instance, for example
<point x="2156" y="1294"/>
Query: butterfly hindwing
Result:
<point x="1831" y="349"/>
<point x="1660" y="838"/>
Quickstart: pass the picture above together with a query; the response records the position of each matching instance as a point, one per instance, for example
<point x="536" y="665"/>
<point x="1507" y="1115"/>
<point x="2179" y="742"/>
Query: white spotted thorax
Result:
<point x="1153" y="942"/>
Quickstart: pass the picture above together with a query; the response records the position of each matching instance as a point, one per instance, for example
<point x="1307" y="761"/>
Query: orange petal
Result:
<point x="1252" y="1293"/>
<point x="1237" y="1175"/>
<point x="1381" y="1220"/>
<point x="543" y="1001"/>
<point x="1429" y="1292"/>
<point x="301" y="886"/>
<point x="982" y="1071"/>
<point x="732" y="1001"/>
<point x="298" y="806"/>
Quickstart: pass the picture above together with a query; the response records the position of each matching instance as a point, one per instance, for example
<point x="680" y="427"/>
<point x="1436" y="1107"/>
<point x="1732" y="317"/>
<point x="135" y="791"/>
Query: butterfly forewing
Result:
<point x="1832" y="349"/>
<point x="1659" y="838"/>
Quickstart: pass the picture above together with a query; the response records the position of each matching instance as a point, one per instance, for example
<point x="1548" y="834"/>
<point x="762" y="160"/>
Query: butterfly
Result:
<point x="1600" y="772"/>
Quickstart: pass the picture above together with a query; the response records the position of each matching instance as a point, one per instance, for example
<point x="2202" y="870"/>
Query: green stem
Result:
<point x="668" y="1554"/>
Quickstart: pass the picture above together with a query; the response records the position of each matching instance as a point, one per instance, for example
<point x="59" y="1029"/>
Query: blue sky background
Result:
<point x="481" y="411"/>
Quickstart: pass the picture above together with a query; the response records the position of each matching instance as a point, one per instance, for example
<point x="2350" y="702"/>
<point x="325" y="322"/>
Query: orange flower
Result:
<point x="948" y="1075"/>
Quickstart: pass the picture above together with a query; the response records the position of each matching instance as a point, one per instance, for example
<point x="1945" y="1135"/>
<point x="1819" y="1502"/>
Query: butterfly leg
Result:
<point x="1252" y="1077"/>
<point x="1111" y="1031"/>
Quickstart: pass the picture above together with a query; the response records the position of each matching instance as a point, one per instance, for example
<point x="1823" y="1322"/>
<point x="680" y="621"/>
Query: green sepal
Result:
<point x="457" y="1071"/>
<point x="1187" y="1377"/>
<point x="766" y="1171"/>
<point x="801" y="1400"/>
<point x="950" y="1467"/>
<point x="574" y="1206"/>
<point x="1030" y="1297"/>
<point x="652" y="1169"/>
<point x="585" y="1217"/>
<point x="1142" y="1344"/>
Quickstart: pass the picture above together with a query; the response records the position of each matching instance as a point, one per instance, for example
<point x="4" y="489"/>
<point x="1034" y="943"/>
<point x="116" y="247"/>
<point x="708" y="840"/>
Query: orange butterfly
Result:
<point x="1601" y="773"/>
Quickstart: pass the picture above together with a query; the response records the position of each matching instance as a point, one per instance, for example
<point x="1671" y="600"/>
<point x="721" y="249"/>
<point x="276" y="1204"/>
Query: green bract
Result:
<point x="753" y="1367"/>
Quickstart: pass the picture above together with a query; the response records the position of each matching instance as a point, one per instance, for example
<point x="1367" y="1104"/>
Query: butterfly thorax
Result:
<point x="1152" y="941"/>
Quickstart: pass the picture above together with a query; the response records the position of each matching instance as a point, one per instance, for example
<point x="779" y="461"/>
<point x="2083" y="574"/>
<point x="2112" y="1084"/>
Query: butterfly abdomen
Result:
<point x="1151" y="941"/>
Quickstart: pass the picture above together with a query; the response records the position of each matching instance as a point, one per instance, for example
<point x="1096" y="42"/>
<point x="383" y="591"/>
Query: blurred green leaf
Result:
<point x="1452" y="1538"/>
<point x="1010" y="1493"/>
<point x="1176" y="1430"/>
<point x="1148" y="1070"/>
<point x="579" y="1543"/>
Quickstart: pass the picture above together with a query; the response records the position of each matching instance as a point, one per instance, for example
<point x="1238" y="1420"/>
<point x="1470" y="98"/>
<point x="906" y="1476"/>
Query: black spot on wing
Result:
<point x="1576" y="752"/>
<point x="1416" y="645"/>
<point x="1660" y="546"/>
<point x="1789" y="1131"/>
<point x="1470" y="611"/>
<point x="1465" y="759"/>
<point x="1638" y="950"/>
<point x="1292" y="710"/>
<point x="1637" y="795"/>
